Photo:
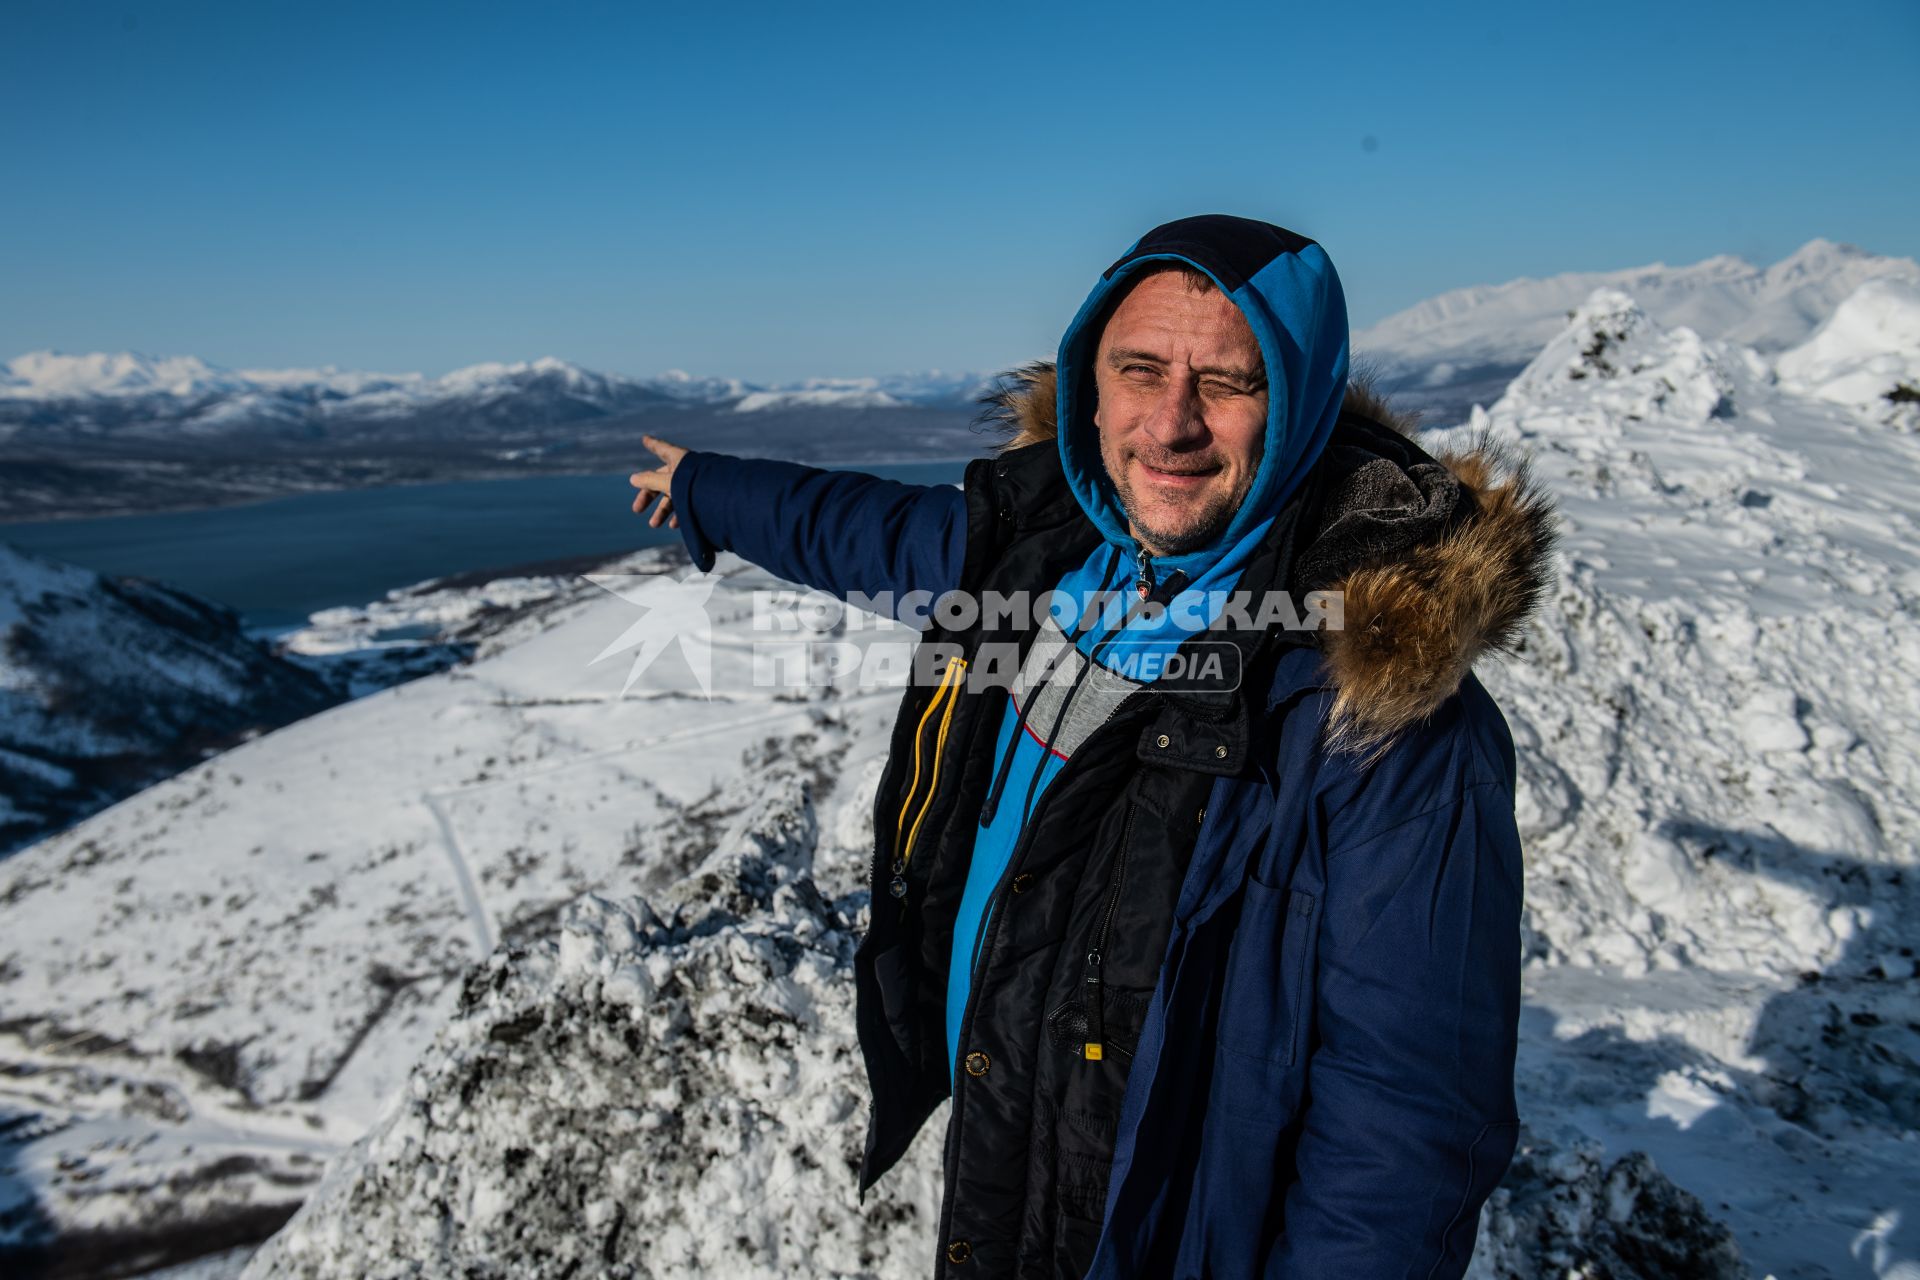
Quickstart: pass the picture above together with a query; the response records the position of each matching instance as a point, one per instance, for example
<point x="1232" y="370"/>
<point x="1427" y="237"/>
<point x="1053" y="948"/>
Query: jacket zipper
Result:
<point x="1091" y="979"/>
<point x="1027" y="829"/>
<point x="944" y="699"/>
<point x="1090" y="976"/>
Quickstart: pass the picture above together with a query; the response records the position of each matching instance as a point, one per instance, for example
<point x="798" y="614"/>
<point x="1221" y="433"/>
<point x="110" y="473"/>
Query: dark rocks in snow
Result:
<point x="1569" y="1213"/>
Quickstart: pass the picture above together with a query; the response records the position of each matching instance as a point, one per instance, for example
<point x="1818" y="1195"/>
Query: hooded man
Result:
<point x="1217" y="960"/>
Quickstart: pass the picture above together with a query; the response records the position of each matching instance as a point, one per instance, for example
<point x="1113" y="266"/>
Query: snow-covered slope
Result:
<point x="110" y="683"/>
<point x="673" y="1087"/>
<point x="211" y="986"/>
<point x="1866" y="355"/>
<point x="1463" y="345"/>
<point x="1725" y="297"/>
<point x="222" y="981"/>
<point x="1715" y="724"/>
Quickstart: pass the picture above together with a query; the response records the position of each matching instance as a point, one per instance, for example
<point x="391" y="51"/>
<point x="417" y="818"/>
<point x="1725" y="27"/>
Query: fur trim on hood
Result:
<point x="1417" y="619"/>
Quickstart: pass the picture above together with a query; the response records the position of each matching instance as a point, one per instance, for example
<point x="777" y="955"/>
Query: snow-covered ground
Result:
<point x="215" y="987"/>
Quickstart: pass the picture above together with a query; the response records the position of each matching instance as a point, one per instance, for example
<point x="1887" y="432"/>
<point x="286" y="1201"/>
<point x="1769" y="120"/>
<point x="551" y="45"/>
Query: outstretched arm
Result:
<point x="1411" y="1120"/>
<point x="844" y="532"/>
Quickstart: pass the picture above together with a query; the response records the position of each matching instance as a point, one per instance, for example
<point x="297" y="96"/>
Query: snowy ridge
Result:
<point x="50" y="375"/>
<point x="1866" y="355"/>
<point x="1714" y="722"/>
<point x="1460" y="348"/>
<point x="863" y="393"/>
<point x="1723" y="297"/>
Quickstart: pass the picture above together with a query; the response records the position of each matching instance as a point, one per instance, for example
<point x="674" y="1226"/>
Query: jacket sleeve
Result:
<point x="1411" y="1120"/>
<point x="837" y="531"/>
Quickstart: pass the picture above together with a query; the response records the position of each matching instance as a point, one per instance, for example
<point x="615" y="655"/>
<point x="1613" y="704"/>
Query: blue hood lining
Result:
<point x="1305" y="350"/>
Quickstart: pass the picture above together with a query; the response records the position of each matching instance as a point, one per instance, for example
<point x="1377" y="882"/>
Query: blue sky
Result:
<point x="778" y="191"/>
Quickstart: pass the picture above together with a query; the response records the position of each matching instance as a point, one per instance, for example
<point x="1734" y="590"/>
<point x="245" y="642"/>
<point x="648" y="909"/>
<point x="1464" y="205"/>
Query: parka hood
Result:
<point x="1286" y="287"/>
<point x="1441" y="558"/>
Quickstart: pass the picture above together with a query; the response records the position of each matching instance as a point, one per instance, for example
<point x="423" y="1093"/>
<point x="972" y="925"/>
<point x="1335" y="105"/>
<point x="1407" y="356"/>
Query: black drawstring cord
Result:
<point x="1081" y="627"/>
<point x="1066" y="703"/>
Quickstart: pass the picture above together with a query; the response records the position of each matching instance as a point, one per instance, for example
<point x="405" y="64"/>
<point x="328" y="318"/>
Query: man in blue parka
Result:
<point x="1207" y="919"/>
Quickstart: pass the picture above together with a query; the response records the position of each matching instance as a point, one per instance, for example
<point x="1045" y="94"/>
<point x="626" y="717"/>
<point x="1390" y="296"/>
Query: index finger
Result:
<point x="661" y="449"/>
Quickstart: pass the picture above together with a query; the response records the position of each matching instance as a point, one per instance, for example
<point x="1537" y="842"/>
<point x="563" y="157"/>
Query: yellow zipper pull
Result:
<point x="942" y="704"/>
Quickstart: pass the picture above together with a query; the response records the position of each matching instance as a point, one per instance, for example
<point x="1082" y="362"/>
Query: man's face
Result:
<point x="1182" y="411"/>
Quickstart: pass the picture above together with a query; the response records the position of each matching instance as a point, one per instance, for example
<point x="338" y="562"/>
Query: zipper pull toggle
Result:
<point x="1096" y="1024"/>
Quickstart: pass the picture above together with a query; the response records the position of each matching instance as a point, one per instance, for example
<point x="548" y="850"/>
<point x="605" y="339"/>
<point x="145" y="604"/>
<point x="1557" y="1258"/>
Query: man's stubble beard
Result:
<point x="1206" y="525"/>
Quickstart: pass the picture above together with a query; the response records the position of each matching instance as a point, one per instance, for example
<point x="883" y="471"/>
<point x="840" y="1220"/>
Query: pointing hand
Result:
<point x="657" y="483"/>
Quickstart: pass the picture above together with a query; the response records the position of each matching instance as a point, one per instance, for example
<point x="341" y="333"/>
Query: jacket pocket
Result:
<point x="1074" y="1242"/>
<point x="1267" y="999"/>
<point x="1080" y="1191"/>
<point x="893" y="974"/>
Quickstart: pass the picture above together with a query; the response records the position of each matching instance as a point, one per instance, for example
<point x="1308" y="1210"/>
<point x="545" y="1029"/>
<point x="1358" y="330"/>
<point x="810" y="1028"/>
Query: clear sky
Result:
<point x="777" y="191"/>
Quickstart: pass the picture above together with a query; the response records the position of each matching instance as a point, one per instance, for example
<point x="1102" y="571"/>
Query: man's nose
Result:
<point x="1175" y="418"/>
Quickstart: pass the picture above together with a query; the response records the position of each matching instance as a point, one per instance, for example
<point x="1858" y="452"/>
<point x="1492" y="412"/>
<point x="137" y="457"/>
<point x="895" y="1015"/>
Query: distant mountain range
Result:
<point x="97" y="434"/>
<point x="103" y="434"/>
<point x="45" y="395"/>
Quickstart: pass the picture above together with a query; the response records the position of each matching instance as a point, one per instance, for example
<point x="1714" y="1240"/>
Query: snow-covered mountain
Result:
<point x="108" y="684"/>
<point x="46" y="395"/>
<point x="1463" y="346"/>
<point x="361" y="942"/>
<point x="933" y="388"/>
<point x="633" y="1074"/>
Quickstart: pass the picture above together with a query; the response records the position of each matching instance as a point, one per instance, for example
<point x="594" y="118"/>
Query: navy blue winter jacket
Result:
<point x="1323" y="1083"/>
